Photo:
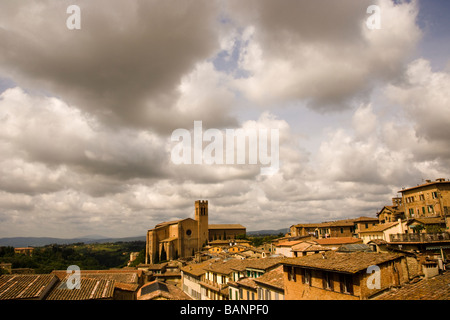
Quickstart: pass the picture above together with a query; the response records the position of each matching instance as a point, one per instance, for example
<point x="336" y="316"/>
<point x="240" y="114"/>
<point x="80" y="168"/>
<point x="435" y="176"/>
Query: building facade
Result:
<point x="339" y="228"/>
<point x="183" y="238"/>
<point x="342" y="276"/>
<point x="180" y="238"/>
<point x="431" y="199"/>
<point x="225" y="231"/>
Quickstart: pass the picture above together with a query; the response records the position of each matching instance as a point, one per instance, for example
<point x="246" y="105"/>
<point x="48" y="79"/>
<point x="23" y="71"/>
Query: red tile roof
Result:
<point x="338" y="240"/>
<point x="342" y="262"/>
<point x="30" y="286"/>
<point x="90" y="289"/>
<point x="273" y="278"/>
<point x="436" y="288"/>
<point x="161" y="291"/>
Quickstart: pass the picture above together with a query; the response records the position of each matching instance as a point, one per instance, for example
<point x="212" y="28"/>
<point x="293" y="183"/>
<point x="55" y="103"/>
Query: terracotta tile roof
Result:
<point x="308" y="246"/>
<point x="392" y="208"/>
<point x="425" y="184"/>
<point x="263" y="263"/>
<point x="244" y="282"/>
<point x="342" y="262"/>
<point x="338" y="240"/>
<point x="156" y="266"/>
<point x="427" y="220"/>
<point x="436" y="288"/>
<point x="197" y="269"/>
<point x="340" y="223"/>
<point x="224" y="267"/>
<point x="226" y="243"/>
<point x="118" y="277"/>
<point x="166" y="223"/>
<point x="380" y="227"/>
<point x="124" y="276"/>
<point x="360" y="219"/>
<point x="225" y="226"/>
<point x="337" y="223"/>
<point x="126" y="286"/>
<point x="29" y="286"/>
<point x="90" y="289"/>
<point x="273" y="278"/>
<point x="157" y="290"/>
<point x="288" y="243"/>
<point x="243" y="265"/>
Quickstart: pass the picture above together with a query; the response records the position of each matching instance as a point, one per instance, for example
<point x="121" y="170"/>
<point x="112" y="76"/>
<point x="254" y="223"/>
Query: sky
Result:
<point x="90" y="100"/>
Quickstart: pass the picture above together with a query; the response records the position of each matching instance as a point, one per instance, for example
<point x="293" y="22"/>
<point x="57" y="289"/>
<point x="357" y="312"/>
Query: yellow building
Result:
<point x="431" y="199"/>
<point x="225" y="231"/>
<point x="392" y="213"/>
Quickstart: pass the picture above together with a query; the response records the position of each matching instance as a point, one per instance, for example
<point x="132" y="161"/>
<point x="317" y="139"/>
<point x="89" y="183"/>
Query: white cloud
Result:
<point x="322" y="53"/>
<point x="85" y="135"/>
<point x="425" y="99"/>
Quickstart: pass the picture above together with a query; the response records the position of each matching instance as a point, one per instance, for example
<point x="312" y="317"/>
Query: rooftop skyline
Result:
<point x="87" y="114"/>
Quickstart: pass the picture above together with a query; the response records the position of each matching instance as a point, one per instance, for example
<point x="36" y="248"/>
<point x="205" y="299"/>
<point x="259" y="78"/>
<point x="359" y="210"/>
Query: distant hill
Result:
<point x="267" y="232"/>
<point x="44" y="241"/>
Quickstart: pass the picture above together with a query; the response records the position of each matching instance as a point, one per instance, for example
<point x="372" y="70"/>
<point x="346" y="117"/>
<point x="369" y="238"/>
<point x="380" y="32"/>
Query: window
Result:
<point x="434" y="195"/>
<point x="307" y="277"/>
<point x="346" y="283"/>
<point x="430" y="209"/>
<point x="291" y="274"/>
<point x="423" y="210"/>
<point x="342" y="230"/>
<point x="327" y="281"/>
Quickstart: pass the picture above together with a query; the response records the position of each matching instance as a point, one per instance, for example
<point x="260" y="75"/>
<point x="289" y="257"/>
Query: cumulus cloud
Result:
<point x="425" y="100"/>
<point x="85" y="126"/>
<point x="46" y="130"/>
<point x="405" y="144"/>
<point x="125" y="63"/>
<point x="322" y="53"/>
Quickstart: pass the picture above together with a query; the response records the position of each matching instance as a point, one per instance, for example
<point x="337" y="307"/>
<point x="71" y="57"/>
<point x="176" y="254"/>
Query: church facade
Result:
<point x="182" y="238"/>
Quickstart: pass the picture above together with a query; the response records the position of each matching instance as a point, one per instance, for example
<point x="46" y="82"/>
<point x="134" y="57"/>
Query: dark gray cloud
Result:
<point x="85" y="130"/>
<point x="125" y="63"/>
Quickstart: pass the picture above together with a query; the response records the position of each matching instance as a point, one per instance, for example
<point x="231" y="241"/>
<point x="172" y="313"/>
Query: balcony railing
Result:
<point x="419" y="237"/>
<point x="213" y="285"/>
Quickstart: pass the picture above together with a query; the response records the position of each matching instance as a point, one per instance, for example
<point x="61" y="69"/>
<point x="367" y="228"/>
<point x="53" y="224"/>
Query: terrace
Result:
<point x="420" y="237"/>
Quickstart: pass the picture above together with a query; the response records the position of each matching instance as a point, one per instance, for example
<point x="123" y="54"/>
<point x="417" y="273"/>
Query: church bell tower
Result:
<point x="201" y="216"/>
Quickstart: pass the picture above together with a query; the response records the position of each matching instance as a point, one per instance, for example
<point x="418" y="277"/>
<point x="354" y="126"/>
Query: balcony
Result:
<point x="420" y="237"/>
<point x="213" y="285"/>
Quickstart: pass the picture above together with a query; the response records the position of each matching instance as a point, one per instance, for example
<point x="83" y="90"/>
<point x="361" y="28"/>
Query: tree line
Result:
<point x="59" y="257"/>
